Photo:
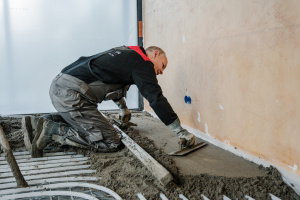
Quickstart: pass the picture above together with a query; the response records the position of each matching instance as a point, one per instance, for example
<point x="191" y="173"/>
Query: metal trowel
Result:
<point x="187" y="150"/>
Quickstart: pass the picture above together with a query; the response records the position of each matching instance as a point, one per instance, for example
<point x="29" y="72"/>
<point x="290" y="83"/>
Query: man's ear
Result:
<point x="156" y="53"/>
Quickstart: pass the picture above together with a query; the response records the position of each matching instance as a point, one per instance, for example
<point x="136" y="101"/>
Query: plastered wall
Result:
<point x="239" y="62"/>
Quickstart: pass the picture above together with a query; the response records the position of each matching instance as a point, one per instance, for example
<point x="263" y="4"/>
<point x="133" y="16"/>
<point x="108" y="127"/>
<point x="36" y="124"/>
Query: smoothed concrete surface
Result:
<point x="207" y="160"/>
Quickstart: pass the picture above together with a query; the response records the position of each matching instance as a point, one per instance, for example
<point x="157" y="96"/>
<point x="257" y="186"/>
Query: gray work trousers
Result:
<point x="77" y="101"/>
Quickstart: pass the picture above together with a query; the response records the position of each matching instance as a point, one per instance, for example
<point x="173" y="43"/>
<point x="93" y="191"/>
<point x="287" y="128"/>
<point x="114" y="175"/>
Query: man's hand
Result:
<point x="125" y="114"/>
<point x="186" y="138"/>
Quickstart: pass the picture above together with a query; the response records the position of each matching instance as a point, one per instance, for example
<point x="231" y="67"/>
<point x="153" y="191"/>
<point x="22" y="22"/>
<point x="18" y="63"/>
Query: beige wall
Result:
<point x="239" y="61"/>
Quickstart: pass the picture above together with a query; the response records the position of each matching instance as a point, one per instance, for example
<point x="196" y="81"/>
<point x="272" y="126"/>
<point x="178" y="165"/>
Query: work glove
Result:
<point x="125" y="114"/>
<point x="186" y="138"/>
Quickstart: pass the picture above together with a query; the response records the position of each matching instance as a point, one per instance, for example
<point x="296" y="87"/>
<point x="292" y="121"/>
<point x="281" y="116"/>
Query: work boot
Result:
<point x="29" y="127"/>
<point x="45" y="130"/>
<point x="45" y="137"/>
<point x="48" y="131"/>
<point x="29" y="124"/>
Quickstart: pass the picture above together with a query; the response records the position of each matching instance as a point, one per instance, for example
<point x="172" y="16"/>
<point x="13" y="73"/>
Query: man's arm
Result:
<point x="145" y="79"/>
<point x="125" y="114"/>
<point x="186" y="138"/>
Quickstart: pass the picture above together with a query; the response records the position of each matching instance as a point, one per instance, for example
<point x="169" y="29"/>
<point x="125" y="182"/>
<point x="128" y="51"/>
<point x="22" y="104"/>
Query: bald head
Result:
<point x="155" y="48"/>
<point x="158" y="57"/>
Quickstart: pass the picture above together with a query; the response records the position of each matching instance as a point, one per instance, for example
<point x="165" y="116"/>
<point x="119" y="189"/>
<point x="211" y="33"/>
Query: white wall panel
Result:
<point x="40" y="37"/>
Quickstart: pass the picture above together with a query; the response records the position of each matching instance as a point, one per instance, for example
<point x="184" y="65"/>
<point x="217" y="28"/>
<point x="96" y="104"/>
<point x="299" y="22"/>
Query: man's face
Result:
<point x="160" y="62"/>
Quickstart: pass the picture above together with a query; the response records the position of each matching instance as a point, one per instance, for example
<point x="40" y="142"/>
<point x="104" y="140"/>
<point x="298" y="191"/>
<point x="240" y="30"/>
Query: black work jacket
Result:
<point x="125" y="65"/>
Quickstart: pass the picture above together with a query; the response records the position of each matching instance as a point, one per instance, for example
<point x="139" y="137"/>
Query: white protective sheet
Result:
<point x="40" y="37"/>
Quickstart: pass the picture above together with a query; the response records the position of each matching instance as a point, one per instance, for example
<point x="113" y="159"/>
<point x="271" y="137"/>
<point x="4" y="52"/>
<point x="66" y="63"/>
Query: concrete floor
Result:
<point x="207" y="160"/>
